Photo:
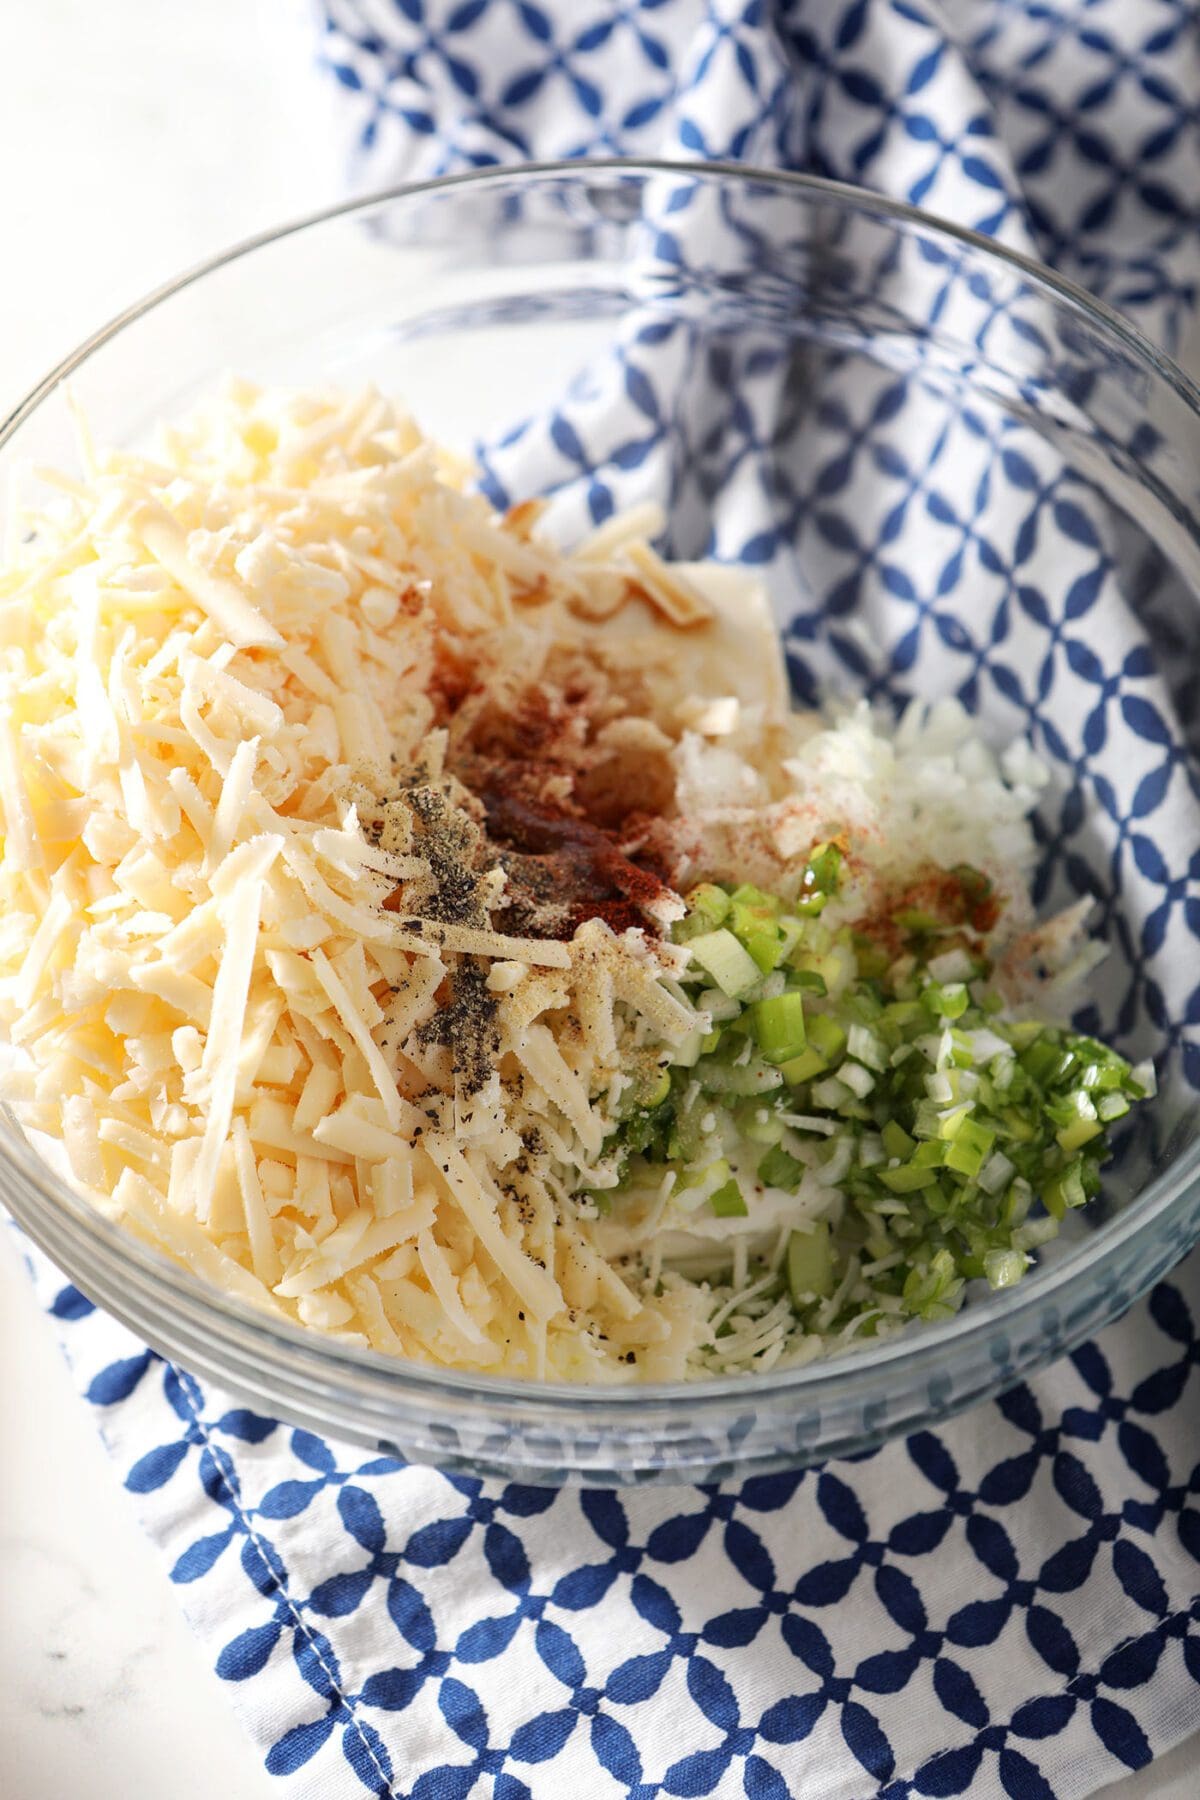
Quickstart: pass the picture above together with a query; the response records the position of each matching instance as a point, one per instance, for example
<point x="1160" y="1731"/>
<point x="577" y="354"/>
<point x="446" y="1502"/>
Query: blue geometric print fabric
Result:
<point x="1011" y="1605"/>
<point x="1064" y="128"/>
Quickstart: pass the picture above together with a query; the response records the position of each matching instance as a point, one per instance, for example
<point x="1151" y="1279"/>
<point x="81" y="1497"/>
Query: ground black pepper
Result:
<point x="452" y="844"/>
<point x="466" y="1025"/>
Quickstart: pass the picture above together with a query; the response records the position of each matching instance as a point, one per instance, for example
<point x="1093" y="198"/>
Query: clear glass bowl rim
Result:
<point x="277" y="1342"/>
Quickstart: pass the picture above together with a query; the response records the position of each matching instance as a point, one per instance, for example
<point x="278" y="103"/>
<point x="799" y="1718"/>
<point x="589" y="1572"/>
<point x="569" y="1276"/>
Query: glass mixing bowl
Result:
<point x="804" y="376"/>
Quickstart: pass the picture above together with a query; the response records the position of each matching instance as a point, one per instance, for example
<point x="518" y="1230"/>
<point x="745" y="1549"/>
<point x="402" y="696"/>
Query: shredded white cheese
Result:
<point x="215" y="660"/>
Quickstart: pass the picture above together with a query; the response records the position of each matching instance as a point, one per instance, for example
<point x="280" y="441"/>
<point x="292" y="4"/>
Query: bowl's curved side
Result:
<point x="681" y="1433"/>
<point x="664" y="1435"/>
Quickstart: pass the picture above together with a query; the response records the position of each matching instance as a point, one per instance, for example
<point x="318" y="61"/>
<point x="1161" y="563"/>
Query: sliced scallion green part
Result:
<point x="970" y="1147"/>
<point x="727" y="1201"/>
<point x="908" y="1178"/>
<point x="914" y="919"/>
<point x="1004" y="1268"/>
<point x="765" y="945"/>
<point x="747" y="895"/>
<point x="827" y="1036"/>
<point x="729" y="963"/>
<point x="820" y="879"/>
<point x="896" y="1141"/>
<point x="1064" y="1189"/>
<point x="752" y="1077"/>
<point x="804" y="1067"/>
<point x="649" y="1090"/>
<point x="710" y="903"/>
<point x="779" y="1169"/>
<point x="1079" y="1132"/>
<point x="810" y="981"/>
<point x="779" y="1026"/>
<point x="946" y="1001"/>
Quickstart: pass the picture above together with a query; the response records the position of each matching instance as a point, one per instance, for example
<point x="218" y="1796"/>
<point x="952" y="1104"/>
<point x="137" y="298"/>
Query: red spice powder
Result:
<point x="532" y="769"/>
<point x="565" y="869"/>
<point x="945" y="896"/>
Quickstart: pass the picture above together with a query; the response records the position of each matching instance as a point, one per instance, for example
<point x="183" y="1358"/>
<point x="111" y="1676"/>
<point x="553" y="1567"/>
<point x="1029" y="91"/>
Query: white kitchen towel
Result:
<point x="1010" y="1605"/>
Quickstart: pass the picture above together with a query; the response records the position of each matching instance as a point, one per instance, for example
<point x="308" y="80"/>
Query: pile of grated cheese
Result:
<point x="213" y="661"/>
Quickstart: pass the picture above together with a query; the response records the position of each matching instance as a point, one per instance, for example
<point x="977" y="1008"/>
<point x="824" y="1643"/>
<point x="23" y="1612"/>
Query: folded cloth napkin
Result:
<point x="1010" y="1605"/>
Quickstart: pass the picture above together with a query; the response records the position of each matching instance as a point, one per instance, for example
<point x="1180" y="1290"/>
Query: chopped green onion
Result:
<point x="779" y="1026"/>
<point x="896" y="1140"/>
<point x="761" y="1125"/>
<point x="717" y="1172"/>
<point x="996" y="1172"/>
<point x="1065" y="1189"/>
<point x="804" y="1067"/>
<point x="719" y="1007"/>
<point x="945" y="1122"/>
<point x="810" y="981"/>
<point x="908" y="1178"/>
<point x="752" y="1077"/>
<point x="1142" y="1081"/>
<point x="863" y="1045"/>
<point x="952" y="966"/>
<point x="824" y="868"/>
<point x="688" y="1053"/>
<point x="649" y="1090"/>
<point x="952" y="1122"/>
<point x="830" y="1093"/>
<point x="1080" y="1130"/>
<point x="860" y="1081"/>
<point x="970" y="1148"/>
<point x="871" y="958"/>
<point x="976" y="886"/>
<point x="1003" y="1268"/>
<point x="710" y="903"/>
<point x="820" y="880"/>
<point x="1035" y="1233"/>
<point x="947" y="1002"/>
<point x="765" y="944"/>
<point x="930" y="1290"/>
<point x="747" y="895"/>
<point x="870" y="1150"/>
<point x="778" y="1169"/>
<point x="1039" y="1058"/>
<point x="826" y="1035"/>
<point x="729" y="964"/>
<point x="911" y="918"/>
<point x="727" y="1202"/>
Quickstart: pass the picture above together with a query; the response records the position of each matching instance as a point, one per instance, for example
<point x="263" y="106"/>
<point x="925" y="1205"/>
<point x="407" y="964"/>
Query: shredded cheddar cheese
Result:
<point x="225" y="952"/>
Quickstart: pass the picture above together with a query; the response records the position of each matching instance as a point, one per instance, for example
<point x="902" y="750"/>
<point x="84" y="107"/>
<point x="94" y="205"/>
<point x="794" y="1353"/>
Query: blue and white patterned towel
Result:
<point x="1010" y="1606"/>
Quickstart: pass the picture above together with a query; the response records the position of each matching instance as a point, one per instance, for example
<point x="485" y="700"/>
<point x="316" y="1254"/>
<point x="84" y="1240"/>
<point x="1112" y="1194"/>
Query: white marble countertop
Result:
<point x="135" y="138"/>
